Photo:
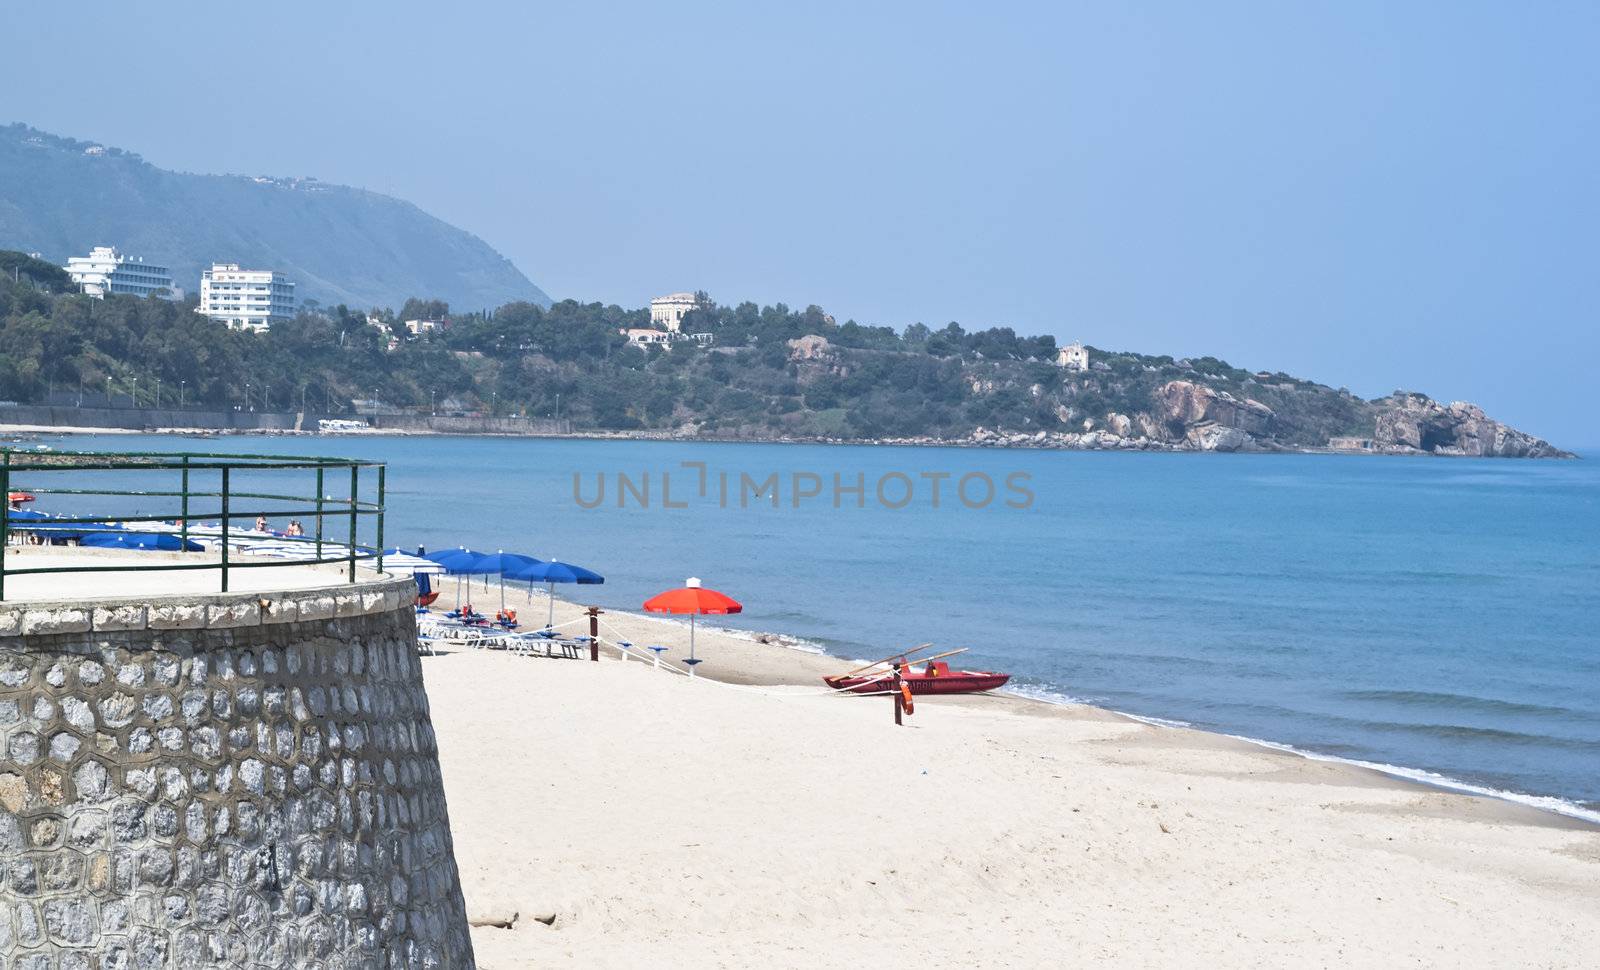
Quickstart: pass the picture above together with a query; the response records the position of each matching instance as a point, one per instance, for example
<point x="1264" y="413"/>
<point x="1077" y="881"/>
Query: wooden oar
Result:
<point x="923" y="660"/>
<point x="889" y="659"/>
<point x="941" y="656"/>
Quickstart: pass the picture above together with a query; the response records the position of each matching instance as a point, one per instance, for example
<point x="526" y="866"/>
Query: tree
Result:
<point x="48" y="276"/>
<point x="416" y="309"/>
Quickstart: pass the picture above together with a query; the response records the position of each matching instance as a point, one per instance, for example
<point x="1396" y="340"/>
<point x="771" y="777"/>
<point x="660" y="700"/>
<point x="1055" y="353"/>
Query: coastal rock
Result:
<point x="1416" y="421"/>
<point x="1187" y="403"/>
<point x="1149" y="427"/>
<point x="1217" y="437"/>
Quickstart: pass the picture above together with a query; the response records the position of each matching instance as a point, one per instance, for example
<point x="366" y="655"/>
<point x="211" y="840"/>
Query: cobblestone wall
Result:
<point x="245" y="780"/>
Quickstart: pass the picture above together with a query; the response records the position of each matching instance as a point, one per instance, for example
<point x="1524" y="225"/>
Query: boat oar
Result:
<point x="920" y="660"/>
<point x="941" y="656"/>
<point x="890" y="659"/>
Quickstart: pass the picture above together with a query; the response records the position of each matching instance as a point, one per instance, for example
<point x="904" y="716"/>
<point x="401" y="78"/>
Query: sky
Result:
<point x="1375" y="195"/>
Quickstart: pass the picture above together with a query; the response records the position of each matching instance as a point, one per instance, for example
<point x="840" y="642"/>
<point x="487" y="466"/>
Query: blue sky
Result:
<point x="1374" y="195"/>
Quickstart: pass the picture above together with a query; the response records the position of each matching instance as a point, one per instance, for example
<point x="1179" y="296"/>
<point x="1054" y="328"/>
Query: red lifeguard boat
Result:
<point x="934" y="677"/>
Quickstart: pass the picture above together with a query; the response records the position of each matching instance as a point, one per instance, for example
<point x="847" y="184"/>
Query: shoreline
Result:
<point x="611" y="815"/>
<point x="774" y="659"/>
<point x="1104" y="443"/>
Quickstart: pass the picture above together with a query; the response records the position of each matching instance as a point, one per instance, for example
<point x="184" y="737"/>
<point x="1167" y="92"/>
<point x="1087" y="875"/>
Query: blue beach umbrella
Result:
<point x="553" y="572"/>
<point x="466" y="562"/>
<point x="35" y="521"/>
<point x="457" y="562"/>
<point x="161" y="541"/>
<point x="506" y="563"/>
<point x="503" y="563"/>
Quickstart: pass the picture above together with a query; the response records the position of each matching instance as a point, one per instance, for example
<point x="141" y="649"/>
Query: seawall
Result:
<point x="222" y="780"/>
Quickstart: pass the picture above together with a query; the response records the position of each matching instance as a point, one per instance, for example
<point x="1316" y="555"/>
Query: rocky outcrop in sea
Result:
<point x="1410" y="422"/>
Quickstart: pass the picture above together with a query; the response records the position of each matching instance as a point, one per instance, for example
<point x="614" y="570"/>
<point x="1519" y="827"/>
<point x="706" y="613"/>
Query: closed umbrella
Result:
<point x="695" y="600"/>
<point x="553" y="572"/>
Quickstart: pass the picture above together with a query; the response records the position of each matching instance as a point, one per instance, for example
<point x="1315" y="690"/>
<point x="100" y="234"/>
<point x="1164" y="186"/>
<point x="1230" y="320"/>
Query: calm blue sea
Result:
<point x="1436" y="615"/>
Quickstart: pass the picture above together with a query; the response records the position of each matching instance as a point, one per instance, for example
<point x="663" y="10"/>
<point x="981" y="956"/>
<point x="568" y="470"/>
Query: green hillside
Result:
<point x="339" y="244"/>
<point x="771" y="373"/>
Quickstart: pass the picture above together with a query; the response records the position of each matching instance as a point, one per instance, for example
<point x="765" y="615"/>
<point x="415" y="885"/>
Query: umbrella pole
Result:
<point x="550" y="593"/>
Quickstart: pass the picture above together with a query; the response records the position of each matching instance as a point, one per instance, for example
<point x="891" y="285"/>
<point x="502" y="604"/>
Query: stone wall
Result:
<point x="237" y="780"/>
<point x="140" y="419"/>
<point x="467" y="424"/>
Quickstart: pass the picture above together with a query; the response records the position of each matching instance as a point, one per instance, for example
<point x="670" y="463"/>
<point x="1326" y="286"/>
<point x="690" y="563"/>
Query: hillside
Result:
<point x="339" y="244"/>
<point x="772" y="373"/>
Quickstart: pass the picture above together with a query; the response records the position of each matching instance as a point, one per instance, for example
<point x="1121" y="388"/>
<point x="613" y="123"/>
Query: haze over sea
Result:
<point x="1433" y="614"/>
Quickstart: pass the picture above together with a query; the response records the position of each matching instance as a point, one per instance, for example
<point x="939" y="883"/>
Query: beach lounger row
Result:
<point x="431" y="633"/>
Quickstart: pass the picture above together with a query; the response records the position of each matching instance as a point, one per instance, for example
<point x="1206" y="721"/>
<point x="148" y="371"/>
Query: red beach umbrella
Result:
<point x="693" y="600"/>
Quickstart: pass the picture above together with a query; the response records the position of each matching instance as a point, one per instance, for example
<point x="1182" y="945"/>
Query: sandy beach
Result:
<point x="618" y="816"/>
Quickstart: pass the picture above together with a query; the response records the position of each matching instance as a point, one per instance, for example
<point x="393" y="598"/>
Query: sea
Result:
<point x="1438" y="618"/>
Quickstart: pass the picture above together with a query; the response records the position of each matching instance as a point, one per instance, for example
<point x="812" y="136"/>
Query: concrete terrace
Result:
<point x="120" y="584"/>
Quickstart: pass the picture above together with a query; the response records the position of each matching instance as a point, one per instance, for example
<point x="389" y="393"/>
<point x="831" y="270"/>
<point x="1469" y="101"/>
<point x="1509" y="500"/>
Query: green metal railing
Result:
<point x="28" y="471"/>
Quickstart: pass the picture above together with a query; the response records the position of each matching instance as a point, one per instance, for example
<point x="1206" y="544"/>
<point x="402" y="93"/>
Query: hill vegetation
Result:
<point x="772" y="372"/>
<point x="60" y="197"/>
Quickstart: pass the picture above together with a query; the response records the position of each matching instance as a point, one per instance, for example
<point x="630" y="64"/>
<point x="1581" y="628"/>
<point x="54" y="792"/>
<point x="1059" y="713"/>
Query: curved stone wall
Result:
<point x="245" y="780"/>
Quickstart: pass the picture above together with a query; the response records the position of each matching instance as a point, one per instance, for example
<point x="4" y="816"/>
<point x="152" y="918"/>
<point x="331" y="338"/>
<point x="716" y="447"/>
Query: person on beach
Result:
<point x="261" y="523"/>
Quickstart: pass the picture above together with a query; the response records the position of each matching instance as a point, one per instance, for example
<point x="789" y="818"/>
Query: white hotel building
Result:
<point x="246" y="299"/>
<point x="105" y="270"/>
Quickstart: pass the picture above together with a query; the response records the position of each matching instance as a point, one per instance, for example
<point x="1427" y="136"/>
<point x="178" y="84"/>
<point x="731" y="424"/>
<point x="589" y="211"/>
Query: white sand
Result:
<point x="673" y="824"/>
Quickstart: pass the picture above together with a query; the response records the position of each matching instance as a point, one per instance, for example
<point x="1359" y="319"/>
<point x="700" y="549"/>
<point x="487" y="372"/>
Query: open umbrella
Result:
<point x="695" y="600"/>
<point x="553" y="572"/>
<point x="504" y="563"/>
<point x="35" y="521"/>
<point x="460" y="561"/>
<point x="164" y="541"/>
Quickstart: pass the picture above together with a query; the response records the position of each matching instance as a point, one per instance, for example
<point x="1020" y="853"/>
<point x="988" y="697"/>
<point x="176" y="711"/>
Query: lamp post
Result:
<point x="108" y="392"/>
<point x="266" y="398"/>
<point x="158" y="394"/>
<point x="247" y="395"/>
<point x="181" y="385"/>
<point x="433" y="408"/>
<point x="133" y="396"/>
